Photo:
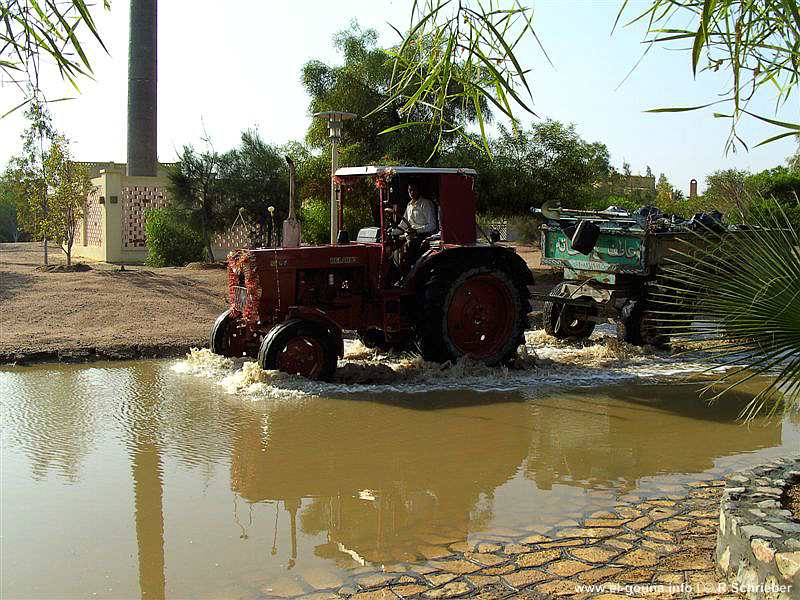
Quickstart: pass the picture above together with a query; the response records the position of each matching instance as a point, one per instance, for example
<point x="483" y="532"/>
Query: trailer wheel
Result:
<point x="299" y="347"/>
<point x="481" y="313"/>
<point x="629" y="325"/>
<point x="566" y="322"/>
<point x="226" y="340"/>
<point x="636" y="326"/>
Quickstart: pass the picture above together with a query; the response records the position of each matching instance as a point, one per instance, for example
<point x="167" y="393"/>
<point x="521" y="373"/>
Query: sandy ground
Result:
<point x="105" y="312"/>
<point x="111" y="313"/>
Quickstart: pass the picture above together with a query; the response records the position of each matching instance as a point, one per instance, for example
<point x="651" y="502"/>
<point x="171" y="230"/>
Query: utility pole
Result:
<point x="335" y="120"/>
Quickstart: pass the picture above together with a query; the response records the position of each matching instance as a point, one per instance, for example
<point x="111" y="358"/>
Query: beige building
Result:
<point x="113" y="226"/>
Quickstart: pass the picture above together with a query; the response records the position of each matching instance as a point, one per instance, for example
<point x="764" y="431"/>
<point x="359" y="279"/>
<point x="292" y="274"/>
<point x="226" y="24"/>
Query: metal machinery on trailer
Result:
<point x="616" y="275"/>
<point x="449" y="297"/>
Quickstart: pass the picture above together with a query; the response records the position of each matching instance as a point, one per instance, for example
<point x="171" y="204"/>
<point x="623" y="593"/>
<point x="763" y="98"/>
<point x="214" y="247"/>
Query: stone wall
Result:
<point x="758" y="544"/>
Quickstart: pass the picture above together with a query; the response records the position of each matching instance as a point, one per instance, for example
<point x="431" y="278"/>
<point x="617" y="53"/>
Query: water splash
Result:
<point x="542" y="361"/>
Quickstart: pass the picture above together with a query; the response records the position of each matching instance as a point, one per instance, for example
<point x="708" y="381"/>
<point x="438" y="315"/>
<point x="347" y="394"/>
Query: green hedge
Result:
<point x="171" y="241"/>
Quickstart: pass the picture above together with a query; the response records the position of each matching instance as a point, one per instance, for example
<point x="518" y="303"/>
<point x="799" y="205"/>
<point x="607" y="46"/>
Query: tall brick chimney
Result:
<point x="693" y="188"/>
<point x="142" y="89"/>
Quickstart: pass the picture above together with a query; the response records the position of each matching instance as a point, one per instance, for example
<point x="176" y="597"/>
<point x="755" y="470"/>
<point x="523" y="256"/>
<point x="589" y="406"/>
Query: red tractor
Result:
<point x="433" y="288"/>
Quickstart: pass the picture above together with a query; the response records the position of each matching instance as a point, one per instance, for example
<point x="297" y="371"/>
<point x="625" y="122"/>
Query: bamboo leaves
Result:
<point x="758" y="43"/>
<point x="462" y="53"/>
<point x="34" y="29"/>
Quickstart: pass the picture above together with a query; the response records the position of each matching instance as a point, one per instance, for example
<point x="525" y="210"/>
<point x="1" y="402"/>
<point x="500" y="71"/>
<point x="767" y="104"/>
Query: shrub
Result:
<point x="171" y="241"/>
<point x="525" y="229"/>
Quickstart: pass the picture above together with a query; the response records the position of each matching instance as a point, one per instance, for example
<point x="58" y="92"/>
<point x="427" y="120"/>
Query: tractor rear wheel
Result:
<point x="226" y="338"/>
<point x="566" y="322"/>
<point x="480" y="313"/>
<point x="299" y="347"/>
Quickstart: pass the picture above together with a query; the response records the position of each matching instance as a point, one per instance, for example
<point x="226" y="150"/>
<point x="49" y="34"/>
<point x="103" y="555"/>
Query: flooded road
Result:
<point x="144" y="479"/>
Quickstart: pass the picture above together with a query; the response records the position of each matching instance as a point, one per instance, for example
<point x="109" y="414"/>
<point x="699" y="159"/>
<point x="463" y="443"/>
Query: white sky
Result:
<point x="233" y="65"/>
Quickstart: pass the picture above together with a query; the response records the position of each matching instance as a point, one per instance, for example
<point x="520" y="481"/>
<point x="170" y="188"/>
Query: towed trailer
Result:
<point x="615" y="274"/>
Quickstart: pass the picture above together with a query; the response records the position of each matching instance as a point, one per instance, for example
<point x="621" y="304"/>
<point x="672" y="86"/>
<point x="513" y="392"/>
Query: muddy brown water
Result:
<point x="131" y="480"/>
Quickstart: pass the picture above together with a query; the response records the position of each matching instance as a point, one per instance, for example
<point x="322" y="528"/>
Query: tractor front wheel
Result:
<point x="299" y="347"/>
<point x="227" y="339"/>
<point x="481" y="314"/>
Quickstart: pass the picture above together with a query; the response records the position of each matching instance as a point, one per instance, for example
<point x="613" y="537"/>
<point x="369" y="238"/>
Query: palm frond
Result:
<point x="736" y="295"/>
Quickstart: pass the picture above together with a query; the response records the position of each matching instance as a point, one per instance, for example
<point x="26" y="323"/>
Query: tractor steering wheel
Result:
<point x="397" y="222"/>
<point x="410" y="226"/>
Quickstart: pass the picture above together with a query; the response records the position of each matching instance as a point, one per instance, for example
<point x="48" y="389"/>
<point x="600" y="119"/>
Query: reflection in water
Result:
<point x="381" y="485"/>
<point x="328" y="484"/>
<point x="141" y="412"/>
<point x="614" y="438"/>
<point x="39" y="426"/>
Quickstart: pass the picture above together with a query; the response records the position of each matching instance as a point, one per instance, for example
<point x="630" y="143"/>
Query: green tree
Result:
<point x="547" y="161"/>
<point x="9" y="227"/>
<point x="727" y="192"/>
<point x="195" y="186"/>
<point x="254" y="177"/>
<point x="793" y="162"/>
<point x="49" y="189"/>
<point x="27" y="173"/>
<point x="663" y="190"/>
<point x="360" y="84"/>
<point x="69" y="186"/>
<point x="779" y="183"/>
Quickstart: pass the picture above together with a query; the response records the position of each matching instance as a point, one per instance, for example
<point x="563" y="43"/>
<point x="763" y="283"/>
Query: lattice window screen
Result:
<point x="135" y="201"/>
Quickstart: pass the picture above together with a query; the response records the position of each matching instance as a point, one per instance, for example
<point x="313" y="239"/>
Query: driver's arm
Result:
<point x="405" y="222"/>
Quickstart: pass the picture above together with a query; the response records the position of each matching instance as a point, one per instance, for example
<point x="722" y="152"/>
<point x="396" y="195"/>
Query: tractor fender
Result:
<point x="474" y="256"/>
<point x="305" y="313"/>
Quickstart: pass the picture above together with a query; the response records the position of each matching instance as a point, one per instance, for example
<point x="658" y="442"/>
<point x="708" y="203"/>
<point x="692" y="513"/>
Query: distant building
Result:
<point x="627" y="185"/>
<point x="693" y="188"/>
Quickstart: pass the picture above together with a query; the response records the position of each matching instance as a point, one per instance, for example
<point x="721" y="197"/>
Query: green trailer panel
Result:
<point x="616" y="251"/>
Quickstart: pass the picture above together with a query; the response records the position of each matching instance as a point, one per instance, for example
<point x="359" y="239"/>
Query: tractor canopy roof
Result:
<point x="388" y="171"/>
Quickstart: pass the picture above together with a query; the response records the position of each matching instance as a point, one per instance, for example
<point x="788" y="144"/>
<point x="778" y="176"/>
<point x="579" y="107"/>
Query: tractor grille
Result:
<point x="239" y="298"/>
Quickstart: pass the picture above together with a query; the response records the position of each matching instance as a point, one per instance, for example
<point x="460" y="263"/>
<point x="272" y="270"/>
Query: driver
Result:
<point x="420" y="213"/>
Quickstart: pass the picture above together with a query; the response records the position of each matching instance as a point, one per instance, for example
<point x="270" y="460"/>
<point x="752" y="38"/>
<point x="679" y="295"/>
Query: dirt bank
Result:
<point x="108" y="313"/>
<point x="102" y="313"/>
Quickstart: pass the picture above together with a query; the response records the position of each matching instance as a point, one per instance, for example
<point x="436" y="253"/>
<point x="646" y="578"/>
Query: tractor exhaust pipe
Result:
<point x="291" y="226"/>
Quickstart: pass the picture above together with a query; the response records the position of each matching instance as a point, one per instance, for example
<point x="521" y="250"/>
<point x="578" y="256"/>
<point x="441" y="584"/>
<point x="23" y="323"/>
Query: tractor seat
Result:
<point x="369" y="235"/>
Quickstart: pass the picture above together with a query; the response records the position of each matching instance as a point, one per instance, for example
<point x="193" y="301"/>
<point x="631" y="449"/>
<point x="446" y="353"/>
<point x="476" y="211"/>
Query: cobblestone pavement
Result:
<point x="658" y="548"/>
